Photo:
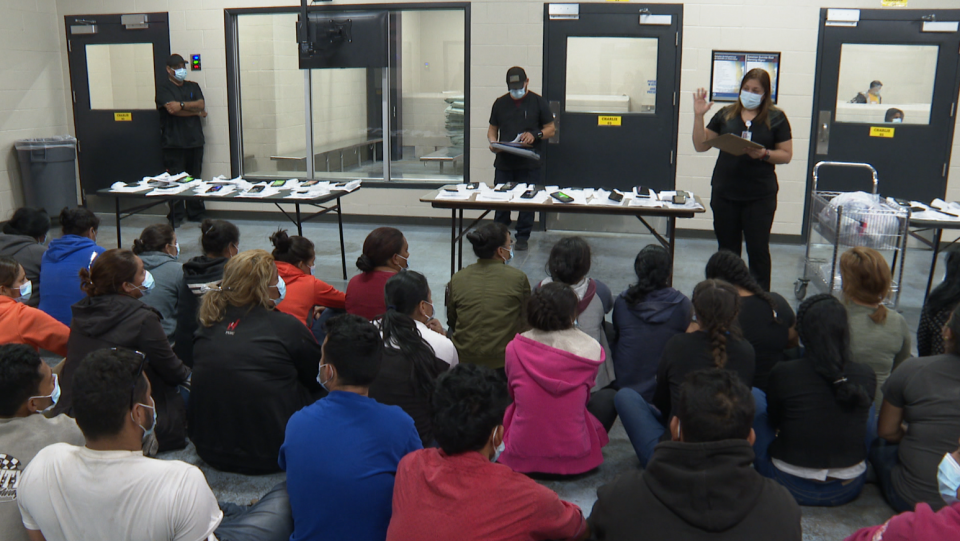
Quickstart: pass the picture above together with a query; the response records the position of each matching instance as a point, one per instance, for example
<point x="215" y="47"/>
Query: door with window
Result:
<point x="115" y="63"/>
<point x="886" y="94"/>
<point x="611" y="77"/>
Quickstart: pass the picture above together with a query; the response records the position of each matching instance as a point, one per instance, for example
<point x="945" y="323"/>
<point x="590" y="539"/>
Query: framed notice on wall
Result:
<point x="729" y="67"/>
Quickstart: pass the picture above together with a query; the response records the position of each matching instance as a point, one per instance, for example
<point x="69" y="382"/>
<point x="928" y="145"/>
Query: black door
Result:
<point x="909" y="59"/>
<point x="115" y="62"/>
<point x="611" y="76"/>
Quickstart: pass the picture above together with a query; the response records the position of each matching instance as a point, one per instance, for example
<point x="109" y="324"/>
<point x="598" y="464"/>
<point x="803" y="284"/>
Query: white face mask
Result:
<point x="26" y="290"/>
<point x="54" y="396"/>
<point x="897" y="120"/>
<point x="750" y="100"/>
<point x="180" y="74"/>
<point x="499" y="449"/>
<point x="948" y="478"/>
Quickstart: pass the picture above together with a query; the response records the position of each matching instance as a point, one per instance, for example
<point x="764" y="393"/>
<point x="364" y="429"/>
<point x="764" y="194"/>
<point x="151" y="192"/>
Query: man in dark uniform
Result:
<point x="181" y="107"/>
<point x="525" y="114"/>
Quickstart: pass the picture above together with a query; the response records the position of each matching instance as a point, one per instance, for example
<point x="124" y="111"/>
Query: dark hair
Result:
<point x="569" y="260"/>
<point x="109" y="272"/>
<point x="102" y="388"/>
<point x="761" y="76"/>
<point x="947" y="293"/>
<point x="154" y="238"/>
<point x="9" y="271"/>
<point x="717" y="304"/>
<point x="729" y="267"/>
<point x="714" y="405"/>
<point x="403" y="293"/>
<point x="552" y="307"/>
<point x="354" y="347"/>
<point x="892" y="112"/>
<point x="487" y="238"/>
<point x="652" y="267"/>
<point x="217" y="235"/>
<point x="293" y="250"/>
<point x="20" y="377"/>
<point x="822" y="325"/>
<point x="380" y="245"/>
<point x="28" y="221"/>
<point x="468" y="403"/>
<point x="77" y="221"/>
<point x="875" y="84"/>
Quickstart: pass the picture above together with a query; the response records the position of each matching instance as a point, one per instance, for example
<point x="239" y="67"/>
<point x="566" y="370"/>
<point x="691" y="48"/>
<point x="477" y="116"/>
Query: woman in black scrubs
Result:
<point x="744" y="195"/>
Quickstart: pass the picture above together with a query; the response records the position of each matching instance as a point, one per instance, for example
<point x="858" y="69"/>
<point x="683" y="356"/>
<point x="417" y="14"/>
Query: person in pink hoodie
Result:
<point x="550" y="371"/>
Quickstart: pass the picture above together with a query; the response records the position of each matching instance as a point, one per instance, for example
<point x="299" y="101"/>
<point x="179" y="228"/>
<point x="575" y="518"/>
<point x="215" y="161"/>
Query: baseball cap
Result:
<point x="516" y="78"/>
<point x="175" y="60"/>
<point x="875" y="84"/>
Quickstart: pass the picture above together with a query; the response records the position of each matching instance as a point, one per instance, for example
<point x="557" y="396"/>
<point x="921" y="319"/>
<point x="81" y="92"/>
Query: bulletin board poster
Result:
<point x="729" y="68"/>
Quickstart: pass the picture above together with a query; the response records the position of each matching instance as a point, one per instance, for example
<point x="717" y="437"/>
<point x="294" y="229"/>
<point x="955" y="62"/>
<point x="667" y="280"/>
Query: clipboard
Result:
<point x="522" y="152"/>
<point x="732" y="144"/>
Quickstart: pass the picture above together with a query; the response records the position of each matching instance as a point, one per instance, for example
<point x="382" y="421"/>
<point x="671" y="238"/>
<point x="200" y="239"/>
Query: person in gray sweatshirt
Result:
<point x="159" y="250"/>
<point x="22" y="239"/>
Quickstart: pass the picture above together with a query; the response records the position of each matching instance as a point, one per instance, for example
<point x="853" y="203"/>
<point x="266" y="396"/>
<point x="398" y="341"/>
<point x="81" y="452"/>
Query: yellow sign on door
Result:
<point x="893" y="3"/>
<point x="608" y="121"/>
<point x="123" y="117"/>
<point x="876" y="131"/>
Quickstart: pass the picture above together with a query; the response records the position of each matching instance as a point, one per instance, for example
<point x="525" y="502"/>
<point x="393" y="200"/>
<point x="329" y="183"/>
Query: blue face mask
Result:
<point x="282" y="288"/>
<point x="750" y="100"/>
<point x="26" y="290"/>
<point x="146" y="431"/>
<point x="948" y="477"/>
<point x="180" y="74"/>
<point x="148" y="283"/>
<point x="517" y="93"/>
<point x="178" y="251"/>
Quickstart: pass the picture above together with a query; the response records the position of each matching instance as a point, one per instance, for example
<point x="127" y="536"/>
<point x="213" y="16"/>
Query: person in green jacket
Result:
<point x="485" y="301"/>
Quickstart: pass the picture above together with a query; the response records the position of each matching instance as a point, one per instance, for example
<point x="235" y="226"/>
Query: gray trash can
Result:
<point x="48" y="173"/>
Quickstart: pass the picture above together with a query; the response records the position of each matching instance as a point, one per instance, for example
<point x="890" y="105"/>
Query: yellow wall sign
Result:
<point x="123" y="117"/>
<point x="608" y="121"/>
<point x="881" y="132"/>
<point x="893" y="3"/>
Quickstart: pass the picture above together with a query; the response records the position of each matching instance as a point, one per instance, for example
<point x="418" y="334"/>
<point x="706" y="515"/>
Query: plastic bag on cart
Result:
<point x="865" y="222"/>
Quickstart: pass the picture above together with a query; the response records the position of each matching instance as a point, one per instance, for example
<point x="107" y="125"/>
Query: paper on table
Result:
<point x="494" y="196"/>
<point x="455" y="196"/>
<point x="646" y="202"/>
<point x="172" y="190"/>
<point x="267" y="192"/>
<point x="351" y="186"/>
<point x="309" y="193"/>
<point x="121" y="187"/>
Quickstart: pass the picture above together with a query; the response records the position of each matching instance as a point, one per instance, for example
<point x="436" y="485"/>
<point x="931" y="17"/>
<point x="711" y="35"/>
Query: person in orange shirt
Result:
<point x="295" y="257"/>
<point x="22" y="324"/>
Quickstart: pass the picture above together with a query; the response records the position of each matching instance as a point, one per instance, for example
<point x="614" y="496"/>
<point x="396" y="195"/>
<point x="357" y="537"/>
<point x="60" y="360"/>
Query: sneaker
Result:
<point x="521" y="245"/>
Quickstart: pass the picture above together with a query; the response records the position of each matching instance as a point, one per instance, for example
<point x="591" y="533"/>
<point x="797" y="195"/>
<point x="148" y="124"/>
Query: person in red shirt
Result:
<point x="384" y="254"/>
<point x="307" y="296"/>
<point x="459" y="491"/>
<point x="22" y="324"/>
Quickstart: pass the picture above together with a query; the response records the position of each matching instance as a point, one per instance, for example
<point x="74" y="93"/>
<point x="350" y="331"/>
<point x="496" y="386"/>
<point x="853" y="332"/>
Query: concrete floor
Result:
<point x="613" y="256"/>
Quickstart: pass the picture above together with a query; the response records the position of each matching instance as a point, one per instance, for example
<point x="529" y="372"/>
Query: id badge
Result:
<point x="747" y="135"/>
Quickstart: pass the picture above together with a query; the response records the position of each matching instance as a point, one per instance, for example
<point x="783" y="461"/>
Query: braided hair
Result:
<point x="652" y="267"/>
<point x="823" y="327"/>
<point x="403" y="294"/>
<point x="729" y="267"/>
<point x="717" y="305"/>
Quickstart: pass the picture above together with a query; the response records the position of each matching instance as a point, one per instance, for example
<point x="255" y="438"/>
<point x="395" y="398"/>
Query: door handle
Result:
<point x="824" y="121"/>
<point x="555" y="109"/>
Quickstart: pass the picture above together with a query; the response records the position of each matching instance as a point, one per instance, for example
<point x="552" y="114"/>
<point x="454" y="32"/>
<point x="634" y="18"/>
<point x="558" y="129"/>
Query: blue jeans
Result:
<point x="319" y="328"/>
<point x="524" y="218"/>
<point x="884" y="457"/>
<point x="270" y="519"/>
<point x="806" y="491"/>
<point x="643" y="423"/>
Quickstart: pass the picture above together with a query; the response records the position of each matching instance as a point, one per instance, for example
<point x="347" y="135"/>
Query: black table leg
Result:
<point x="343" y="253"/>
<point x="460" y="241"/>
<point x="119" y="240"/>
<point x="672" y="235"/>
<point x="299" y="223"/>
<point x="453" y="242"/>
<point x="933" y="263"/>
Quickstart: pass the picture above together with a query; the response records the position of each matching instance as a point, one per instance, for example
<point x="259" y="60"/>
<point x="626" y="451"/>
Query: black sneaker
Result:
<point x="521" y="245"/>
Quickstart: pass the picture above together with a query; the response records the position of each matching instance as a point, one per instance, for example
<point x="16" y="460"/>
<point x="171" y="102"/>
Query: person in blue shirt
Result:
<point x="341" y="452"/>
<point x="61" y="263"/>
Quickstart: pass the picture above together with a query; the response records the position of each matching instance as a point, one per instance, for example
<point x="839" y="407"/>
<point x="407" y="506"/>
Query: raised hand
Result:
<point x="700" y="103"/>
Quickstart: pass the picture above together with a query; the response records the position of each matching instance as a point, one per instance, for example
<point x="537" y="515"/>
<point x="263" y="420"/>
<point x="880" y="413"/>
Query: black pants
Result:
<point x="524" y="218"/>
<point x="736" y="221"/>
<point x="178" y="160"/>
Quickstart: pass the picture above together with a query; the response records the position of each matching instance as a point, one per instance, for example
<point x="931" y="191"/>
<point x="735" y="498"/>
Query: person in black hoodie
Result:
<point x="645" y="316"/>
<point x="701" y="485"/>
<point x="255" y="367"/>
<point x="22" y="239"/>
<point x="220" y="240"/>
<point x="112" y="316"/>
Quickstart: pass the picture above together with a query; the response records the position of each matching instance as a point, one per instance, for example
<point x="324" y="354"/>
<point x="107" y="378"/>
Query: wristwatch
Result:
<point x="181" y="105"/>
<point x="538" y="135"/>
<point x="766" y="155"/>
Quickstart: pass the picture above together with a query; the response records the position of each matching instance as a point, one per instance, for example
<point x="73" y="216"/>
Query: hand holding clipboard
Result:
<point x="733" y="144"/>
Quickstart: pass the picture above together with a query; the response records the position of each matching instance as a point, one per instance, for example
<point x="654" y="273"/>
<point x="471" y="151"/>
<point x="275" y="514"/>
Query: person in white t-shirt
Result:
<point x="107" y="489"/>
<point x="27" y="388"/>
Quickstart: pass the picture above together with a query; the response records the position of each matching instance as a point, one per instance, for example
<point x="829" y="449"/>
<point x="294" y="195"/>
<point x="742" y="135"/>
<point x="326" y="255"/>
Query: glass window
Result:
<point x="347" y="123"/>
<point x="611" y="75"/>
<point x="882" y="83"/>
<point x="121" y="76"/>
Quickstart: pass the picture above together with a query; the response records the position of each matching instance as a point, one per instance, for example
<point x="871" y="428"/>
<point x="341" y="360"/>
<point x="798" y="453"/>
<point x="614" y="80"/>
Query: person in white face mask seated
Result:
<point x="744" y="194"/>
<point x="21" y="323"/>
<point x="254" y="366"/>
<point x="893" y="115"/>
<point x="27" y="389"/>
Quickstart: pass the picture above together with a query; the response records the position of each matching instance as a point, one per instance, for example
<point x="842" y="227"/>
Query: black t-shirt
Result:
<point x="513" y="117"/>
<point x="743" y="178"/>
<point x="815" y="430"/>
<point x="179" y="131"/>
<point x="768" y="336"/>
<point x="687" y="352"/>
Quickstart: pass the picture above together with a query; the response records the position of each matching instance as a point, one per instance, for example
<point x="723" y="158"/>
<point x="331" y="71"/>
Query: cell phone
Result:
<point x="506" y="187"/>
<point x="340" y="185"/>
<point x="615" y="196"/>
<point x="450" y="189"/>
<point x="680" y="198"/>
<point x="529" y="194"/>
<point x="561" y="197"/>
<point x="185" y="180"/>
<point x="473" y="185"/>
<point x="309" y="183"/>
<point x="278" y="183"/>
<point x="641" y="191"/>
<point x="257" y="189"/>
<point x="213" y="189"/>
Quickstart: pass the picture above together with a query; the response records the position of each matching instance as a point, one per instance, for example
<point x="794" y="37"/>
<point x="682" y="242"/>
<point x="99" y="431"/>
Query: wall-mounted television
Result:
<point x="729" y="67"/>
<point x="344" y="39"/>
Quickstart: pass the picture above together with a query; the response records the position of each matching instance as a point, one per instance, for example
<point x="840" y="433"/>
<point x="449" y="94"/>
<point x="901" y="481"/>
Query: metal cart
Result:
<point x="882" y="227"/>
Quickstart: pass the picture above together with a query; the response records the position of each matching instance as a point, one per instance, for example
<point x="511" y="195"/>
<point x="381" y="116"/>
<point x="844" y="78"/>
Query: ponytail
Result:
<point x="728" y="266"/>
<point x="403" y="294"/>
<point x="717" y="305"/>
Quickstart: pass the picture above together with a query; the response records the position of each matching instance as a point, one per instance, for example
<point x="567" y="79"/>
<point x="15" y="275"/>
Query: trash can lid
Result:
<point x="46" y="142"/>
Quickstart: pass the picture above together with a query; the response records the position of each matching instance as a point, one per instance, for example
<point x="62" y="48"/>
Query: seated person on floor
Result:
<point x="159" y="250"/>
<point x="713" y="341"/>
<point x="28" y="388"/>
<point x="811" y="438"/>
<point x="645" y="316"/>
<point x="410" y="365"/>
<point x="701" y="485"/>
<point x="923" y="392"/>
<point x="937" y="308"/>
<point x="385" y="253"/>
<point x="21" y="323"/>
<point x="341" y="452"/>
<point x="255" y="367"/>
<point x="65" y="256"/>
<point x="550" y="427"/>
<point x="459" y="491"/>
<point x="23" y="239"/>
